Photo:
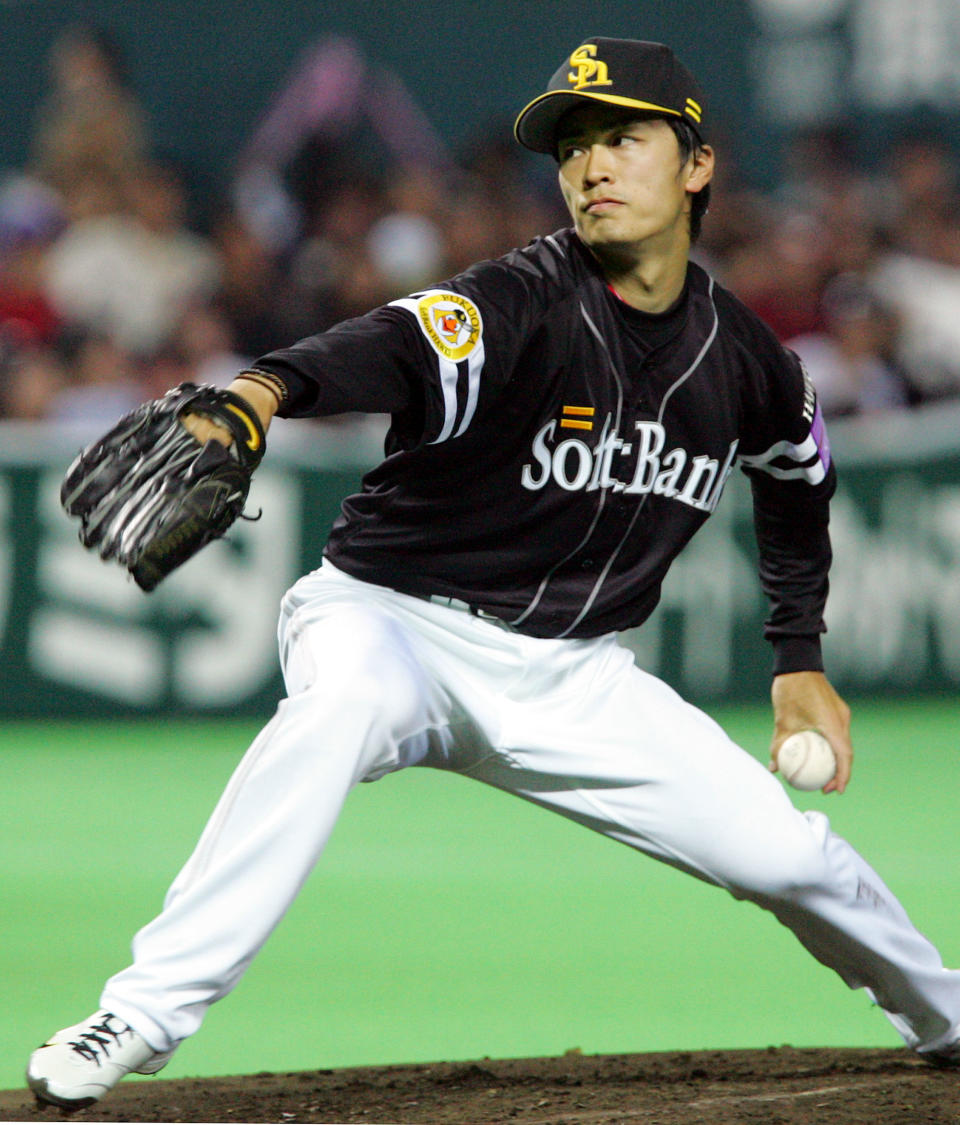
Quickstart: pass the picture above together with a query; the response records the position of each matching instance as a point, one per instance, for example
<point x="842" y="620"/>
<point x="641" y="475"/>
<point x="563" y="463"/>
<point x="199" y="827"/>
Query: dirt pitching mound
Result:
<point x="782" y="1086"/>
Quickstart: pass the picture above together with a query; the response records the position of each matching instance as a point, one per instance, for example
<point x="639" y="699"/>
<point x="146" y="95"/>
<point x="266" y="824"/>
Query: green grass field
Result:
<point x="446" y="920"/>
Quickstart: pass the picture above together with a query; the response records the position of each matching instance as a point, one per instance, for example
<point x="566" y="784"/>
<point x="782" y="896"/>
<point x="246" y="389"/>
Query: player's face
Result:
<point x="624" y="182"/>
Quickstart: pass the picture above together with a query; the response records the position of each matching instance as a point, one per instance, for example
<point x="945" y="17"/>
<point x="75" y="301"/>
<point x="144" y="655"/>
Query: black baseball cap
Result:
<point x="623" y="72"/>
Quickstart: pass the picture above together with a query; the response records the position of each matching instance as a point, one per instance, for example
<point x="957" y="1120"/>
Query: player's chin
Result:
<point x="600" y="227"/>
<point x="617" y="248"/>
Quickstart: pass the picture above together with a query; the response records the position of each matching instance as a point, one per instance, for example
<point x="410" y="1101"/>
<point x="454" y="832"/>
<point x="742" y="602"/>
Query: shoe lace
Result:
<point x="97" y="1039"/>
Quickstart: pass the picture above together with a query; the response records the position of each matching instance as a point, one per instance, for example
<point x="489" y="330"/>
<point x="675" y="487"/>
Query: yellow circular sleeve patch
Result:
<point x="451" y="323"/>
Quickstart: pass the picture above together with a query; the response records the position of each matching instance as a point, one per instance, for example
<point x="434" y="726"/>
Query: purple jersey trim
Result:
<point x="818" y="431"/>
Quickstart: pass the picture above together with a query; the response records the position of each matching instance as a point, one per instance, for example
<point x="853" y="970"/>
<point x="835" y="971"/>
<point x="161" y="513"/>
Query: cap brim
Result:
<point x="536" y="125"/>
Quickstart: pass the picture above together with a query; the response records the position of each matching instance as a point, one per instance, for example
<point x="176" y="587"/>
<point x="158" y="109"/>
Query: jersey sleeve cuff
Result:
<point x="797" y="654"/>
<point x="299" y="395"/>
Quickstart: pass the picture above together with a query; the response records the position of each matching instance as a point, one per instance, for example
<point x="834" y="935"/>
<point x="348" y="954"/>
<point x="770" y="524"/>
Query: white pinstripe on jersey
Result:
<point x="602" y="577"/>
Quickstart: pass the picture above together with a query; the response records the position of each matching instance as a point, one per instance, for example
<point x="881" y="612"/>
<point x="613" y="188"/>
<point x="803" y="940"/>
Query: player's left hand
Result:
<point x="206" y="428"/>
<point x="170" y="476"/>
<point x="807" y="701"/>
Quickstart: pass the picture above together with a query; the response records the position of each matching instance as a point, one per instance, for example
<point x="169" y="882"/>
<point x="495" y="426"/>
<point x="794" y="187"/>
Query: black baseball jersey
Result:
<point x="553" y="449"/>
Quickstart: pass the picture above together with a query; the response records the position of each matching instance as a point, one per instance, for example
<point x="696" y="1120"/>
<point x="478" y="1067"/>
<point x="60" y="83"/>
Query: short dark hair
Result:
<point x="690" y="144"/>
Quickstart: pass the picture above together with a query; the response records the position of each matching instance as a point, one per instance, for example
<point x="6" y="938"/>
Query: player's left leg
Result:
<point x="619" y="751"/>
<point x="358" y="707"/>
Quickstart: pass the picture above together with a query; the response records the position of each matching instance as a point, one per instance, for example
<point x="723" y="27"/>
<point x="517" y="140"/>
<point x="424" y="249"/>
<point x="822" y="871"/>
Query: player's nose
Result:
<point x="598" y="166"/>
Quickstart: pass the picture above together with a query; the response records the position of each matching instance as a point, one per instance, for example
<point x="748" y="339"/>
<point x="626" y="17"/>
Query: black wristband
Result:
<point x="797" y="654"/>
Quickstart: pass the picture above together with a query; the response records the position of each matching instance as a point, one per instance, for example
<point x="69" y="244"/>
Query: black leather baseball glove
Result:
<point x="150" y="495"/>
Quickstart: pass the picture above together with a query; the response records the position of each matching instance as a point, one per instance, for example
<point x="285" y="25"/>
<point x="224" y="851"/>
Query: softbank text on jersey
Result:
<point x="696" y="479"/>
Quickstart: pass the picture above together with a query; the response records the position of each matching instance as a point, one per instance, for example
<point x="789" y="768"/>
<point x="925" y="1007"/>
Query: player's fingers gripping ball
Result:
<point x="150" y="495"/>
<point x="806" y="760"/>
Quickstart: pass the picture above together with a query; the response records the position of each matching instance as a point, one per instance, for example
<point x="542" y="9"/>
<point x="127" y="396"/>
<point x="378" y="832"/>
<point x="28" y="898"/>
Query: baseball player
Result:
<point x="564" y="419"/>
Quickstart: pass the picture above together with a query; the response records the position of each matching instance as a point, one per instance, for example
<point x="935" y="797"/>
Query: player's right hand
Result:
<point x="807" y="701"/>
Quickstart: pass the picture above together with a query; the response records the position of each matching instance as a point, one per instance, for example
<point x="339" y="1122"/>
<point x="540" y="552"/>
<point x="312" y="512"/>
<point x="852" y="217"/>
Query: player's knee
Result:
<point x="391" y="692"/>
<point x="785" y="871"/>
<point x="381" y="692"/>
<point x="378" y="683"/>
<point x="355" y="663"/>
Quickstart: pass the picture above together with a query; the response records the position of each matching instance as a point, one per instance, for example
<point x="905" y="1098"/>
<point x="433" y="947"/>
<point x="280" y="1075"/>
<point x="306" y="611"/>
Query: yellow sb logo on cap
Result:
<point x="590" y="71"/>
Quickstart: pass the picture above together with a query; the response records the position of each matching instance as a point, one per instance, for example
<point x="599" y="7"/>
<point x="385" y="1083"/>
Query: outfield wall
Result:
<point x="77" y="637"/>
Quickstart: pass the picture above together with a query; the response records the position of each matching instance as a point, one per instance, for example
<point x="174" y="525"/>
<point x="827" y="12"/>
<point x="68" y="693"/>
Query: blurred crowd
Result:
<point x="117" y="282"/>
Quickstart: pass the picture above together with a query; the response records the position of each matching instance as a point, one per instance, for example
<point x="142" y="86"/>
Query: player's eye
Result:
<point x="569" y="150"/>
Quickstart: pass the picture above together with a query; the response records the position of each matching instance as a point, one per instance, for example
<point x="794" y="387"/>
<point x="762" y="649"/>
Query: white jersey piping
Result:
<point x="602" y="577"/>
<point x="541" y="589"/>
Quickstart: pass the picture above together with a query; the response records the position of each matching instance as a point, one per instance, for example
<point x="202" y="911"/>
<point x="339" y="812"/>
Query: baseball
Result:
<point x="806" y="760"/>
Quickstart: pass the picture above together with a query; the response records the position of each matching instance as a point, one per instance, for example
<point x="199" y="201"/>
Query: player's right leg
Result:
<point x="620" y="752"/>
<point x="358" y="707"/>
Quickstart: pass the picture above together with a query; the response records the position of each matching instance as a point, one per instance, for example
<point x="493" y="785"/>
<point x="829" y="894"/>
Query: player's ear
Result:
<point x="700" y="169"/>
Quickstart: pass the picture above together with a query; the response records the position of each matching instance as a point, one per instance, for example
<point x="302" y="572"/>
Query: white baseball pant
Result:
<point x="379" y="680"/>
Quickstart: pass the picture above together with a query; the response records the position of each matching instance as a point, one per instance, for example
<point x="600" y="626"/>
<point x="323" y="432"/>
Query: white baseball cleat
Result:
<point x="82" y="1063"/>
